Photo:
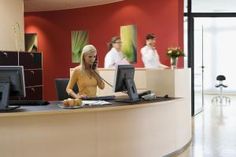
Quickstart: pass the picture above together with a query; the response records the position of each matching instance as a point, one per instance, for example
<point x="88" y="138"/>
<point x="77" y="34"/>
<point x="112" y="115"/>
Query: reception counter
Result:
<point x="152" y="129"/>
<point x="146" y="129"/>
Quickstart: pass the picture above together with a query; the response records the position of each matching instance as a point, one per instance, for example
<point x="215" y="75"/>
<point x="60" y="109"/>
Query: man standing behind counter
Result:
<point x="149" y="54"/>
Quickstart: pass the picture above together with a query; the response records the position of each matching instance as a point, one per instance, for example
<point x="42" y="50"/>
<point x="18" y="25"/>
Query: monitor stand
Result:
<point x="4" y="97"/>
<point x="132" y="92"/>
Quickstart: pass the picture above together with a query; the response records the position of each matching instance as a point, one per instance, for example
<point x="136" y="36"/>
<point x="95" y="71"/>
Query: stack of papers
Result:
<point x="95" y="102"/>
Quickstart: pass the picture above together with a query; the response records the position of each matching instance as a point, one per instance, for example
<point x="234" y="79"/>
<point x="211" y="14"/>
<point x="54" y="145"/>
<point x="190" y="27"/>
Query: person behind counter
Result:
<point x="85" y="75"/>
<point x="149" y="54"/>
<point x="115" y="56"/>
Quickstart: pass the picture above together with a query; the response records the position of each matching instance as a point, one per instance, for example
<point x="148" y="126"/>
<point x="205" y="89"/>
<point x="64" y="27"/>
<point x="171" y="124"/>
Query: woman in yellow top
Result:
<point x="85" y="75"/>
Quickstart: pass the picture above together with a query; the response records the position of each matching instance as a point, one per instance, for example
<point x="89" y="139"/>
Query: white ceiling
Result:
<point x="198" y="5"/>
<point x="48" y="5"/>
<point x="212" y="5"/>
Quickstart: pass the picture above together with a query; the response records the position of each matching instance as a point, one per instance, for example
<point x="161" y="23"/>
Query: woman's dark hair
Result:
<point x="150" y="36"/>
<point x="113" y="40"/>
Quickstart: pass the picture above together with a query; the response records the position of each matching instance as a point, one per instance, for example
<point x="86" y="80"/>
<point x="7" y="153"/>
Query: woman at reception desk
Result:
<point x="85" y="75"/>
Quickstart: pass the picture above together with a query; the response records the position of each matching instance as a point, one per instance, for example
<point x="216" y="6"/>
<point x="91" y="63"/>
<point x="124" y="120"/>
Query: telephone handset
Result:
<point x="94" y="65"/>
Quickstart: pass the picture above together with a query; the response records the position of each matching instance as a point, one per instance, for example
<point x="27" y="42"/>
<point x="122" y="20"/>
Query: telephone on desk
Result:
<point x="149" y="95"/>
<point x="140" y="95"/>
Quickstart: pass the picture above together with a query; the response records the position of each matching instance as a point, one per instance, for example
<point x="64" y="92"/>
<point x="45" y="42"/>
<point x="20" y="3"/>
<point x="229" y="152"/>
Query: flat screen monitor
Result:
<point x="124" y="82"/>
<point x="12" y="83"/>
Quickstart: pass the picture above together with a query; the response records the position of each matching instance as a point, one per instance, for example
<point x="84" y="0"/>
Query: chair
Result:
<point x="61" y="84"/>
<point x="220" y="98"/>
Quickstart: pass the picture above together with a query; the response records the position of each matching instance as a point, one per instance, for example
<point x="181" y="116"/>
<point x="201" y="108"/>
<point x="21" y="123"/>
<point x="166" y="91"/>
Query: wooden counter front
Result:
<point x="137" y="130"/>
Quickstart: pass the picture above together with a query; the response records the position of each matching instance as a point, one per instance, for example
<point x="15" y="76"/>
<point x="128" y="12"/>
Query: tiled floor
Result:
<point x="214" y="131"/>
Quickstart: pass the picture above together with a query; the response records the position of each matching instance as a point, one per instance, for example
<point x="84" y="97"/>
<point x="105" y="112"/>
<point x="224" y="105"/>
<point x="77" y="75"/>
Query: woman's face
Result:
<point x="118" y="44"/>
<point x="89" y="58"/>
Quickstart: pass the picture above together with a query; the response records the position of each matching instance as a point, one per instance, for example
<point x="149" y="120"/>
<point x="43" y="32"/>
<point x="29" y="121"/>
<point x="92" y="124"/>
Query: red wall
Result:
<point x="162" y="17"/>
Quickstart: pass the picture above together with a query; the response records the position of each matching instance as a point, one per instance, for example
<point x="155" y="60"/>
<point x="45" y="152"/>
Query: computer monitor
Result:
<point x="12" y="83"/>
<point x="124" y="82"/>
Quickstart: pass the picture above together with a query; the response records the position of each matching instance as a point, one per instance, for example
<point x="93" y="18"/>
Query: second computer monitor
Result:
<point x="124" y="81"/>
<point x="12" y="83"/>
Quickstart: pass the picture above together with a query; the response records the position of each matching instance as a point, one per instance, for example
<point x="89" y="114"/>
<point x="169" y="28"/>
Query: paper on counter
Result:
<point x="95" y="102"/>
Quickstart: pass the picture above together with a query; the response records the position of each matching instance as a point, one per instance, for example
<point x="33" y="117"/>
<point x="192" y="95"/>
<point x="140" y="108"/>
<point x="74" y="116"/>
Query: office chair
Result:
<point x="221" y="98"/>
<point x="61" y="84"/>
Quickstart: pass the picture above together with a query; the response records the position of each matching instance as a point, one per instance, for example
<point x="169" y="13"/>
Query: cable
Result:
<point x="103" y="79"/>
<point x="107" y="82"/>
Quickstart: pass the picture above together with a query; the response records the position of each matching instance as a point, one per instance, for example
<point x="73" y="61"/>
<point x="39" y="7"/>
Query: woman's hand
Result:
<point x="81" y="96"/>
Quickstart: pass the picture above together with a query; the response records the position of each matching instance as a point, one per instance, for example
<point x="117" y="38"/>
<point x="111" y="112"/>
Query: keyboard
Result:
<point x="156" y="99"/>
<point x="28" y="102"/>
<point x="127" y="100"/>
<point x="109" y="97"/>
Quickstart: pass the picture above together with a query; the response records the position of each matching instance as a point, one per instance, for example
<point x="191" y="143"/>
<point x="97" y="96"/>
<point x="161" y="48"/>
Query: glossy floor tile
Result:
<point x="214" y="131"/>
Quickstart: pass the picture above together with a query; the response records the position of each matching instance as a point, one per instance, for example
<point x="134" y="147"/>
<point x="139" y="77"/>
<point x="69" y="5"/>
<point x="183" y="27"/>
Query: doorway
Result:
<point x="214" y="54"/>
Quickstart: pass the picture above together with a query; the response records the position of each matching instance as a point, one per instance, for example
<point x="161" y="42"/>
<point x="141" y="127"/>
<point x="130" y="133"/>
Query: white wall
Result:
<point x="12" y="25"/>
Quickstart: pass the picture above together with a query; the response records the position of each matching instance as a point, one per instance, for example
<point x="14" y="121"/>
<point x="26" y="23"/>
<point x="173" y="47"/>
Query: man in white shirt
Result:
<point x="149" y="54"/>
<point x="115" y="56"/>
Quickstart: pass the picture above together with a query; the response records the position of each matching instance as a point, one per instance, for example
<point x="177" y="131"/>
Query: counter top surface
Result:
<point x="54" y="108"/>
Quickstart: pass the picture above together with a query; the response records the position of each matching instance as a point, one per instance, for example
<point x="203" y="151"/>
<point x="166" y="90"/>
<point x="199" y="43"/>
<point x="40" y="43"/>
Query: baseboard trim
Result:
<point x="179" y="151"/>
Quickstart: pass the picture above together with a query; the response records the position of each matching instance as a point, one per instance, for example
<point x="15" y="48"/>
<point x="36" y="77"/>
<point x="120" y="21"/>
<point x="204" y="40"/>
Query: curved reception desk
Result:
<point x="147" y="129"/>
